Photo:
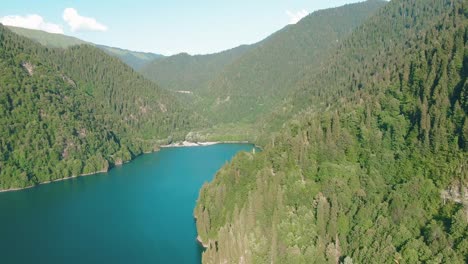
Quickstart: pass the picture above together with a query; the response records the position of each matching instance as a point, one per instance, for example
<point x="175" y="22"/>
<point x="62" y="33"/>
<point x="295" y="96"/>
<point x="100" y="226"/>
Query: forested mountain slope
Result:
<point x="74" y="111"/>
<point x="134" y="59"/>
<point x="47" y="39"/>
<point x="359" y="175"/>
<point x="239" y="85"/>
<point x="184" y="72"/>
<point x="266" y="74"/>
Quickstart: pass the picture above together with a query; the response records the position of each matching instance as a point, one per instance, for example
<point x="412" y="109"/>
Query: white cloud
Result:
<point x="77" y="22"/>
<point x="31" y="22"/>
<point x="295" y="17"/>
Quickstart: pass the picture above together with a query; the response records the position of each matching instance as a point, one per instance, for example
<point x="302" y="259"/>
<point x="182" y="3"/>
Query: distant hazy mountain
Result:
<point x="184" y="72"/>
<point x="134" y="59"/>
<point x="265" y="75"/>
<point x="46" y="38"/>
<point x="240" y="84"/>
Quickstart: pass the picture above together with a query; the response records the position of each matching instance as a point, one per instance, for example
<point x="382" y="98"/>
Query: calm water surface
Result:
<point x="141" y="212"/>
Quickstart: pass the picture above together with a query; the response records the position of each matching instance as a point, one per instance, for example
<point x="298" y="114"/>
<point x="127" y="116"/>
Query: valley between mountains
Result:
<point x="360" y="112"/>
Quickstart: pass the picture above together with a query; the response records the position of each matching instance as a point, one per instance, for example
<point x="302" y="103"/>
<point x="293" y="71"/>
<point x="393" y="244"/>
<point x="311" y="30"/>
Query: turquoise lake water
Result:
<point x="141" y="212"/>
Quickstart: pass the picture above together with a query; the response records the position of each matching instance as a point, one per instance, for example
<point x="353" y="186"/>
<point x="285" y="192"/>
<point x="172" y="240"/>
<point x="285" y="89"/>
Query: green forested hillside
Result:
<point x="184" y="72"/>
<point x="134" y="59"/>
<point x="265" y="75"/>
<point x="47" y="39"/>
<point x="74" y="111"/>
<point x="374" y="168"/>
<point x="363" y="118"/>
<point x="239" y="85"/>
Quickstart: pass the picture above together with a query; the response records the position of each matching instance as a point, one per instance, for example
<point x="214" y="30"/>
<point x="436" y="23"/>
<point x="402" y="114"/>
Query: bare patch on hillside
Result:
<point x="28" y="67"/>
<point x="162" y="107"/>
<point x="221" y="101"/>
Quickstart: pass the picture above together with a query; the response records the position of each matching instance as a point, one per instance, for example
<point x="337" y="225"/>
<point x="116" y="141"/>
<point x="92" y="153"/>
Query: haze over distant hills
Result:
<point x="134" y="59"/>
<point x="243" y="83"/>
<point x="184" y="72"/>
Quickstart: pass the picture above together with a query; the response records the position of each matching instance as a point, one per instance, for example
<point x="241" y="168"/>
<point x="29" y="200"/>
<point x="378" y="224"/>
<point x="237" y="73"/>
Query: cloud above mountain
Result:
<point x="81" y="23"/>
<point x="295" y="17"/>
<point x="31" y="22"/>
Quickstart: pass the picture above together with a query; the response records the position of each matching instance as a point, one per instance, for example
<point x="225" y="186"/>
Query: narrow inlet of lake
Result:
<point x="141" y="212"/>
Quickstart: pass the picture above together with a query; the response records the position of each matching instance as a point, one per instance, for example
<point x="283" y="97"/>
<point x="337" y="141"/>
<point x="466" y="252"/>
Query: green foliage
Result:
<point x="183" y="72"/>
<point x="239" y="85"/>
<point x="357" y="175"/>
<point x="47" y="39"/>
<point x="134" y="59"/>
<point x="76" y="111"/>
<point x="259" y="81"/>
<point x="368" y="162"/>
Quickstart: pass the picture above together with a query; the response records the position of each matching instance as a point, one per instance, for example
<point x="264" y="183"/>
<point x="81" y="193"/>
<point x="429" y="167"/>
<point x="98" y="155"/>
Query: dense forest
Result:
<point x="361" y="113"/>
<point x="184" y="72"/>
<point x="373" y="168"/>
<point x="260" y="80"/>
<point x="66" y="112"/>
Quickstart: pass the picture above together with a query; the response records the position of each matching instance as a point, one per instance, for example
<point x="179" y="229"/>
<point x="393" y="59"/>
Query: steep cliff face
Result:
<point x="358" y="175"/>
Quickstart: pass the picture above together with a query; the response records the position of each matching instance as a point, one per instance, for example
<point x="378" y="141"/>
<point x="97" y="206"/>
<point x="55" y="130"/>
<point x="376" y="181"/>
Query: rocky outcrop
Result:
<point x="28" y="67"/>
<point x="458" y="193"/>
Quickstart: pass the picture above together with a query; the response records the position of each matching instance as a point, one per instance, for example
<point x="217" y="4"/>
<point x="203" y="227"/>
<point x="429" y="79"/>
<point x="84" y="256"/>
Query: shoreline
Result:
<point x="190" y="144"/>
<point x="172" y="145"/>
<point x="185" y="143"/>
<point x="52" y="181"/>
<point x="200" y="241"/>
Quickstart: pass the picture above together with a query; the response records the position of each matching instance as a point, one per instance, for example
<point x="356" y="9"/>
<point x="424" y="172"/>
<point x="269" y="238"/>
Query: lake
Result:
<point x="141" y="212"/>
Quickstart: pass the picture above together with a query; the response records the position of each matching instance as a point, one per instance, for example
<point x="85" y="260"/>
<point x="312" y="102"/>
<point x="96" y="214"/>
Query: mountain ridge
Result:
<point x="134" y="59"/>
<point x="185" y="72"/>
<point x="249" y="84"/>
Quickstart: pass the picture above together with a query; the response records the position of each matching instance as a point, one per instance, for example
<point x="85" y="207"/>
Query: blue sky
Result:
<point x="166" y="27"/>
